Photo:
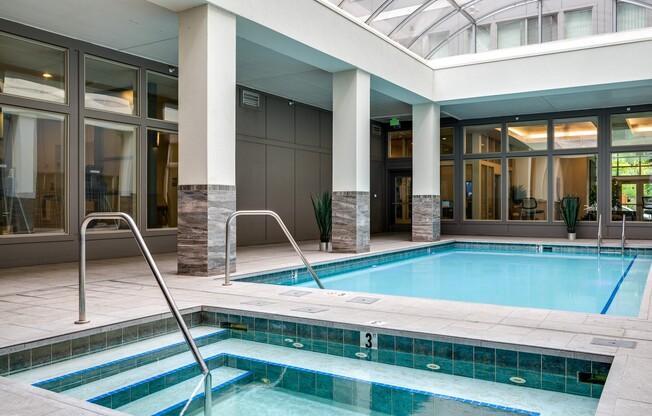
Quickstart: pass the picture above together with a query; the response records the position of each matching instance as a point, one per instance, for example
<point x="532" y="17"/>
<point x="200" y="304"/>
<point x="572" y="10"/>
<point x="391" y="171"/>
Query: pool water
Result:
<point x="604" y="284"/>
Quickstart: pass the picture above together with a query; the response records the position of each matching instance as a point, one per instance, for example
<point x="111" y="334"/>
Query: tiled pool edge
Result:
<point x="407" y="349"/>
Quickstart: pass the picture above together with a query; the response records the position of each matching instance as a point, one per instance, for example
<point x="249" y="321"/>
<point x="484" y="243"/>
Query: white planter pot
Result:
<point x="572" y="236"/>
<point x="323" y="246"/>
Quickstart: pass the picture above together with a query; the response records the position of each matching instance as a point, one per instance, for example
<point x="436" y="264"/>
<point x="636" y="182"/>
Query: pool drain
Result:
<point x="265" y="380"/>
<point x="433" y="366"/>
<point x="297" y="345"/>
<point x="361" y="355"/>
<point x="517" y="380"/>
<point x="288" y="340"/>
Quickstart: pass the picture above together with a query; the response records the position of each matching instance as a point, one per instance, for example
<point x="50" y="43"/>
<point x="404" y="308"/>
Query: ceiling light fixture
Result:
<point x="47" y="75"/>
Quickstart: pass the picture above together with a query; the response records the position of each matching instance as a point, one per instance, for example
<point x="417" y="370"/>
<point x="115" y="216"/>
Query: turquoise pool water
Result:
<point x="606" y="284"/>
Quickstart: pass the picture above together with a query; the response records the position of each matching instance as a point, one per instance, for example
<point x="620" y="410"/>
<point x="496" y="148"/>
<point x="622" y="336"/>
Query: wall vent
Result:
<point x="376" y="130"/>
<point x="250" y="99"/>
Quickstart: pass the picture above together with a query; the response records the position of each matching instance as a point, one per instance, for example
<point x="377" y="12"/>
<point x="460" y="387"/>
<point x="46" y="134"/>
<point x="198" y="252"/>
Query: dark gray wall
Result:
<point x="283" y="156"/>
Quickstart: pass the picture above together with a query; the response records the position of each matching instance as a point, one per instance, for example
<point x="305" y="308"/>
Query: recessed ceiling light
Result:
<point x="47" y="75"/>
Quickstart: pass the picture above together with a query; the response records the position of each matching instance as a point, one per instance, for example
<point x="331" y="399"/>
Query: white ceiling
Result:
<point x="142" y="28"/>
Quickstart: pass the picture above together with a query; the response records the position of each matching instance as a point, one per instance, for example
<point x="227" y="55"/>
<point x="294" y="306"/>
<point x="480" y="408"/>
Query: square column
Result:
<point x="206" y="194"/>
<point x="426" y="196"/>
<point x="351" y="161"/>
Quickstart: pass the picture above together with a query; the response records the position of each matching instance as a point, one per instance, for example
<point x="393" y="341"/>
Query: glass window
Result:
<point x="447" y="185"/>
<point x="631" y="129"/>
<point x="528" y="188"/>
<point x="577" y="175"/>
<point x="32" y="70"/>
<point x="447" y="140"/>
<point x="631" y="186"/>
<point x="482" y="139"/>
<point x="110" y="168"/>
<point x="32" y="172"/>
<point x="111" y="86"/>
<point x="400" y="143"/>
<point x="483" y="38"/>
<point x="527" y="136"/>
<point x="511" y="34"/>
<point x="549" y="32"/>
<point x="482" y="189"/>
<point x="575" y="133"/>
<point x="162" y="97"/>
<point x="578" y="23"/>
<point x="162" y="178"/>
<point x="629" y="16"/>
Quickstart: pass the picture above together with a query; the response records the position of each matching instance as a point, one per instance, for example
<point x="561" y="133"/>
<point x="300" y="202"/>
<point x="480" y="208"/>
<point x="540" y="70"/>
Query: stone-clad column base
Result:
<point x="351" y="226"/>
<point x="201" y="229"/>
<point x="426" y="218"/>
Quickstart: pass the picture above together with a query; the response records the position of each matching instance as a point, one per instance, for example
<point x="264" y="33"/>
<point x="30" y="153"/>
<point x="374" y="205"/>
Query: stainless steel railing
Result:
<point x="599" y="232"/>
<point x="159" y="279"/>
<point x="227" y="272"/>
<point x="622" y="238"/>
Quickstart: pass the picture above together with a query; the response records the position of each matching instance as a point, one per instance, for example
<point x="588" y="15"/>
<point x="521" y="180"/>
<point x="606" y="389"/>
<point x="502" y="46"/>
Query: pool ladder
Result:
<point x="623" y="241"/>
<point x="252" y="213"/>
<point x="159" y="279"/>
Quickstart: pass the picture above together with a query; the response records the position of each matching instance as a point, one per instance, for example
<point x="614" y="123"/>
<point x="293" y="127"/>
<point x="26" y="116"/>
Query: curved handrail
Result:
<point x="622" y="238"/>
<point x="159" y="279"/>
<point x="599" y="233"/>
<point x="227" y="272"/>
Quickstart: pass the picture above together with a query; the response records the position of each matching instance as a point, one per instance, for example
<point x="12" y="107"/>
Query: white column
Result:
<point x="351" y="161"/>
<point x="426" y="199"/>
<point x="207" y="51"/>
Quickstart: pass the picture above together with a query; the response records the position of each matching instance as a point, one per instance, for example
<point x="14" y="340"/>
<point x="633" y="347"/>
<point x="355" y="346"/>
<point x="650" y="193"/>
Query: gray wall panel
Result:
<point x="326" y="172"/>
<point x="307" y="126"/>
<point x="280" y="119"/>
<point x="326" y="130"/>
<point x="280" y="190"/>
<point x="250" y="190"/>
<point x="306" y="183"/>
<point x="377" y="197"/>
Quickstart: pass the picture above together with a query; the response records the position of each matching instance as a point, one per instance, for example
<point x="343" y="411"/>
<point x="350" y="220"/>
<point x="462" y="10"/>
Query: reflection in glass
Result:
<point x="630" y="16"/>
<point x="575" y="133"/>
<point x="528" y="188"/>
<point x="631" y="129"/>
<point x="111" y="86"/>
<point x="32" y="70"/>
<point x="400" y="143"/>
<point x="447" y="140"/>
<point x="631" y="186"/>
<point x="110" y="168"/>
<point x="162" y="97"/>
<point x="527" y="136"/>
<point x="482" y="189"/>
<point x="482" y="139"/>
<point x="162" y="178"/>
<point x="577" y="175"/>
<point x="402" y="200"/>
<point x="447" y="188"/>
<point x="578" y="23"/>
<point x="32" y="172"/>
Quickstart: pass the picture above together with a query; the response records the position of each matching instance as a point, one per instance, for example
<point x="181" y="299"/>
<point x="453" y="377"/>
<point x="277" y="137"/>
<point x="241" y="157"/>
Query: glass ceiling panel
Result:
<point x="421" y="22"/>
<point x="395" y="13"/>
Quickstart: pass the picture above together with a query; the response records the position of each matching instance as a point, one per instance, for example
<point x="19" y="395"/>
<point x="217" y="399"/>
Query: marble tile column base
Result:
<point x="201" y="229"/>
<point x="426" y="218"/>
<point x="351" y="225"/>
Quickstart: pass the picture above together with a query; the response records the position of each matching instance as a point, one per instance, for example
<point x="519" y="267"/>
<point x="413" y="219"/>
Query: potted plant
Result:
<point x="323" y="215"/>
<point x="569" y="210"/>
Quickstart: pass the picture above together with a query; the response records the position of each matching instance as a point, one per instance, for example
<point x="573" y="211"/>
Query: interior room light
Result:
<point x="640" y="125"/>
<point x="47" y="75"/>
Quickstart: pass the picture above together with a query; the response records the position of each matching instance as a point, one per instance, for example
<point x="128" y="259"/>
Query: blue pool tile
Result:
<point x="483" y="355"/>
<point x="485" y="372"/>
<point x="307" y="382"/>
<point x="421" y="361"/>
<point x="304" y="330"/>
<point x="351" y="337"/>
<point x="20" y="361"/>
<point x="423" y="405"/>
<point x="405" y="345"/>
<point x="423" y="347"/>
<point x="463" y="368"/>
<point x="291" y="379"/>
<point x="405" y="359"/>
<point x="443" y="350"/>
<point x="386" y="342"/>
<point x="320" y="346"/>
<point x="275" y="327"/>
<point x="506" y="359"/>
<point x="532" y="378"/>
<point x="529" y="361"/>
<point x="387" y="357"/>
<point x="261" y="324"/>
<point x="463" y="352"/>
<point x="596" y="391"/>
<point x="320" y="333"/>
<point x="335" y="349"/>
<point x="381" y="399"/>
<point x="335" y="335"/>
<point x="553" y="382"/>
<point x="401" y="402"/>
<point x="41" y="355"/>
<point x="350" y="351"/>
<point x="343" y="390"/>
<point x="275" y="339"/>
<point x="551" y="364"/>
<point x="290" y="329"/>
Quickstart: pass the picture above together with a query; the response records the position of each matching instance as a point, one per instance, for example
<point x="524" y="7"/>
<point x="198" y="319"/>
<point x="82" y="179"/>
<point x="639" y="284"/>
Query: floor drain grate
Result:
<point x="613" y="343"/>
<point x="295" y="293"/>
<point x="362" y="299"/>
<point x="309" y="310"/>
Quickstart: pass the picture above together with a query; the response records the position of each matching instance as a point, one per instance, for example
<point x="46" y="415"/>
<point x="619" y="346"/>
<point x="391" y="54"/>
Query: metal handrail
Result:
<point x="599" y="232"/>
<point x="622" y="238"/>
<point x="159" y="279"/>
<point x="227" y="272"/>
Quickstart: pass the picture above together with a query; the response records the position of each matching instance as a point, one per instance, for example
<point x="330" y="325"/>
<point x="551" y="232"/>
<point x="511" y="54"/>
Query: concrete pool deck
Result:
<point x="41" y="302"/>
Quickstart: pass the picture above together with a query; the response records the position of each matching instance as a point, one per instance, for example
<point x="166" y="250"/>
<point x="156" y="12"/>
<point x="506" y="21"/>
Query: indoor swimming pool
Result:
<point x="264" y="367"/>
<point x="524" y="276"/>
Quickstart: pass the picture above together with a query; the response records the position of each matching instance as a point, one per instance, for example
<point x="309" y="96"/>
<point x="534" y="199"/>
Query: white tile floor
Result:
<point x="41" y="302"/>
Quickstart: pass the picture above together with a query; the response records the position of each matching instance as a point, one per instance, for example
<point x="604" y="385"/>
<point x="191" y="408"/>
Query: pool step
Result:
<point x="147" y="362"/>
